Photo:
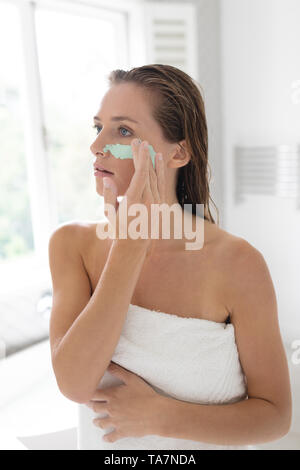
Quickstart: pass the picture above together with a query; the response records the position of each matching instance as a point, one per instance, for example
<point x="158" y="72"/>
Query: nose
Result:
<point x="97" y="149"/>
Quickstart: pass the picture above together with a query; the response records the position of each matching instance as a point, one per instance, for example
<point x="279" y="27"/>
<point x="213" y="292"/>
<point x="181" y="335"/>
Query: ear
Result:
<point x="180" y="156"/>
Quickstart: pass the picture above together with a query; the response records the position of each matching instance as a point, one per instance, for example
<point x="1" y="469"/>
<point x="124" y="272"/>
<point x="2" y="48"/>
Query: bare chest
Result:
<point x="186" y="284"/>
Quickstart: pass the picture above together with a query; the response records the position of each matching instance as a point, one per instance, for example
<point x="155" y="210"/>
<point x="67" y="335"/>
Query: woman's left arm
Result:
<point x="266" y="414"/>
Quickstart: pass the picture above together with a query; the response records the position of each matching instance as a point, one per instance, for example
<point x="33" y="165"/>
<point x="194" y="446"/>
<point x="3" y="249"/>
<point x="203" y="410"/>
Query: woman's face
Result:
<point x="130" y="102"/>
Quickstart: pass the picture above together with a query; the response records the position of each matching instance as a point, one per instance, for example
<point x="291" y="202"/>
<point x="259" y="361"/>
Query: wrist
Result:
<point x="166" y="417"/>
<point x="129" y="250"/>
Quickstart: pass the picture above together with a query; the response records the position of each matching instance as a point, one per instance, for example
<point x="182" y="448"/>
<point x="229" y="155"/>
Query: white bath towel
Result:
<point x="190" y="359"/>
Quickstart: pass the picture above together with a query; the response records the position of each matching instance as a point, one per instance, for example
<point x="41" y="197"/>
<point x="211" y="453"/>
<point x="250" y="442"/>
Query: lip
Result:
<point x="101" y="169"/>
<point x="102" y="173"/>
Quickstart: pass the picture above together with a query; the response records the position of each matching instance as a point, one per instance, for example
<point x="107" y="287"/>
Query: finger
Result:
<point x="135" y="145"/>
<point x="110" y="192"/>
<point x="104" y="394"/>
<point x="98" y="406"/>
<point x="120" y="372"/>
<point x="153" y="182"/>
<point x="112" y="436"/>
<point x="103" y="423"/>
<point x="138" y="181"/>
<point x="160" y="171"/>
<point x="146" y="159"/>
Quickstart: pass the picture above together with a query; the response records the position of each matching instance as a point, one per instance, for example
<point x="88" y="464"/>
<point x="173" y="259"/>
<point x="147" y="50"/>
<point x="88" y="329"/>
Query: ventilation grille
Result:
<point x="171" y="35"/>
<point x="170" y="42"/>
<point x="267" y="170"/>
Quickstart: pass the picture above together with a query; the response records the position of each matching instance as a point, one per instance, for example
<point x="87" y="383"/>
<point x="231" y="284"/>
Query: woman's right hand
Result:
<point x="147" y="187"/>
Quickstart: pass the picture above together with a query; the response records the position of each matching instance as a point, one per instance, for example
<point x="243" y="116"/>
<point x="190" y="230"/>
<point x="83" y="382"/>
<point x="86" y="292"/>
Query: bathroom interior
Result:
<point x="244" y="54"/>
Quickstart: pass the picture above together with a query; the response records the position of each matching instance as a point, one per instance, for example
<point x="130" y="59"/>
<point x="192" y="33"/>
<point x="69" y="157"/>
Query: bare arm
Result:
<point x="85" y="329"/>
<point x="252" y="421"/>
<point x="266" y="415"/>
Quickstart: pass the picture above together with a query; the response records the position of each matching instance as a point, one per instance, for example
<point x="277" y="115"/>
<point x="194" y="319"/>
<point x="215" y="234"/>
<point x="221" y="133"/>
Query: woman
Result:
<point x="164" y="347"/>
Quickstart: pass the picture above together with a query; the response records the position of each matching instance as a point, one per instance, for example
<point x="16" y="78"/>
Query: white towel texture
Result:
<point x="190" y="359"/>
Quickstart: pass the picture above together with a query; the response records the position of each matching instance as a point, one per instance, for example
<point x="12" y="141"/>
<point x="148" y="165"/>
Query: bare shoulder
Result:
<point x="62" y="235"/>
<point x="243" y="257"/>
<point x="246" y="275"/>
<point x="70" y="229"/>
<point x="233" y="250"/>
<point x="76" y="235"/>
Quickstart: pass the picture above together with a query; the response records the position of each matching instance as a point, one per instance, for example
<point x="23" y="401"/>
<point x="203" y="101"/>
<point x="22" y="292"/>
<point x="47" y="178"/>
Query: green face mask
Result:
<point x="125" y="151"/>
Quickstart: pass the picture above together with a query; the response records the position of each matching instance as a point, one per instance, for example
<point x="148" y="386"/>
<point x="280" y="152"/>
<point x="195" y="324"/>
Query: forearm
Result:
<point x="251" y="421"/>
<point x="86" y="349"/>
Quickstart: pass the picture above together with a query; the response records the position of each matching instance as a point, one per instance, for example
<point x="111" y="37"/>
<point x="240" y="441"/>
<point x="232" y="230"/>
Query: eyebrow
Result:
<point x="117" y="118"/>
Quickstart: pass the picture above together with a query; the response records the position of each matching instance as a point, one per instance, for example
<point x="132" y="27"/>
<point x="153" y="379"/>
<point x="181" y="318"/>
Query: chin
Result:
<point x="99" y="190"/>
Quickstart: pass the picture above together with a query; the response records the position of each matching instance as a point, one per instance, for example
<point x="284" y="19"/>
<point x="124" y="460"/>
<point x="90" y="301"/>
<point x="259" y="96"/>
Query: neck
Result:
<point x="177" y="229"/>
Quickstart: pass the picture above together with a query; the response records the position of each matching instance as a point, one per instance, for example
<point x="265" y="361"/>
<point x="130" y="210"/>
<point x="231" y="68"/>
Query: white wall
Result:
<point x="209" y="61"/>
<point x="208" y="41"/>
<point x="260" y="42"/>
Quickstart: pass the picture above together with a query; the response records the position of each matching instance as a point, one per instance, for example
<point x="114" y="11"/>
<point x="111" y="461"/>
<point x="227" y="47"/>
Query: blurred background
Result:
<point x="54" y="60"/>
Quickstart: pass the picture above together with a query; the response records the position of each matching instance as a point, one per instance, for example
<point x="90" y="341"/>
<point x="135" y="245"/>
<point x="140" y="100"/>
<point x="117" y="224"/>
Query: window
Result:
<point x="16" y="237"/>
<point x="55" y="57"/>
<point x="73" y="63"/>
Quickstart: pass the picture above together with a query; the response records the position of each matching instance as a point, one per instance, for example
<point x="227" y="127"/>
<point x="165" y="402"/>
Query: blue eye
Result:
<point x="98" y="128"/>
<point x="124" y="130"/>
